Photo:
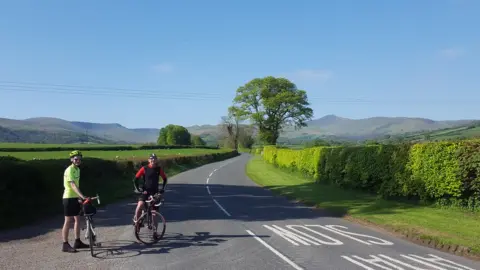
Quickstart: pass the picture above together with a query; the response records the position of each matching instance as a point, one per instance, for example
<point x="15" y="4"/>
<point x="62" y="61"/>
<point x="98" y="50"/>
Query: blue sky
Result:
<point x="161" y="62"/>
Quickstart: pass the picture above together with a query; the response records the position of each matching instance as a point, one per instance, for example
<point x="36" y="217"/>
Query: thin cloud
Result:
<point x="163" y="68"/>
<point x="451" y="53"/>
<point x="310" y="75"/>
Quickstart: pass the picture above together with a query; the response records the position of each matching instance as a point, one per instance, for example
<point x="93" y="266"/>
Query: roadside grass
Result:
<point x="128" y="154"/>
<point x="444" y="226"/>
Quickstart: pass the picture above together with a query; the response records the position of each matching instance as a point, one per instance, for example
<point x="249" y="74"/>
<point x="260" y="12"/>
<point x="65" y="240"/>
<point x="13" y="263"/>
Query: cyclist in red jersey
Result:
<point x="150" y="174"/>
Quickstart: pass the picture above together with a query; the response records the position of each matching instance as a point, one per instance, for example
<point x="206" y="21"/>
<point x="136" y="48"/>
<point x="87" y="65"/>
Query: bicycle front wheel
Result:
<point x="90" y="236"/>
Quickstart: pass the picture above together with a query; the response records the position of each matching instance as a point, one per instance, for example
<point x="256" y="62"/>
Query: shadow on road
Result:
<point x="191" y="202"/>
<point x="124" y="249"/>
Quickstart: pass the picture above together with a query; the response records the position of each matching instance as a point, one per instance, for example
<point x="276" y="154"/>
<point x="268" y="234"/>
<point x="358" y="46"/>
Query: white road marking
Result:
<point x="306" y="235"/>
<point x="210" y="193"/>
<point x="223" y="209"/>
<point x="387" y="263"/>
<point x="294" y="265"/>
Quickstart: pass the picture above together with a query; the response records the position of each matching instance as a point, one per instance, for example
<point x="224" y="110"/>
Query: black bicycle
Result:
<point x="146" y="218"/>
<point x="89" y="210"/>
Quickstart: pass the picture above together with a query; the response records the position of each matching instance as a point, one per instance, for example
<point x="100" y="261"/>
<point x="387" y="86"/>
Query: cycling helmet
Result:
<point x="75" y="153"/>
<point x="152" y="156"/>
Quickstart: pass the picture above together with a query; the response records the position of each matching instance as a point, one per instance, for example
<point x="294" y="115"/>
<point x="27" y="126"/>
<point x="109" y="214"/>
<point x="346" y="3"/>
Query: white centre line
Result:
<point x="208" y="179"/>
<point x="223" y="209"/>
<point x="208" y="189"/>
<point x="210" y="174"/>
<point x="294" y="265"/>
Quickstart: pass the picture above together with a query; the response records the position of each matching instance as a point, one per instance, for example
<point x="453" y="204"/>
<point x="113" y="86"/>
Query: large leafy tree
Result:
<point x="272" y="104"/>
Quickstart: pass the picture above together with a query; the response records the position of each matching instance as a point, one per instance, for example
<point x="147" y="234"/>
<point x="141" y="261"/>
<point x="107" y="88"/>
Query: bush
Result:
<point x="442" y="172"/>
<point x="36" y="186"/>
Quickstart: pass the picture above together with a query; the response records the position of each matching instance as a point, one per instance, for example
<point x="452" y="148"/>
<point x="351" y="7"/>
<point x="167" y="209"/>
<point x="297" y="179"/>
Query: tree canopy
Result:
<point x="174" y="135"/>
<point x="272" y="104"/>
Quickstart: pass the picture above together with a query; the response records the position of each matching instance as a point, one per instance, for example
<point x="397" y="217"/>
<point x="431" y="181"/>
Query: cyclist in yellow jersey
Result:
<point x="72" y="202"/>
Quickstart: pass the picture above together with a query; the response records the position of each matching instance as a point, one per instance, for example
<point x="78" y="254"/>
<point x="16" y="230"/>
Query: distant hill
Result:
<point x="331" y="126"/>
<point x="55" y="130"/>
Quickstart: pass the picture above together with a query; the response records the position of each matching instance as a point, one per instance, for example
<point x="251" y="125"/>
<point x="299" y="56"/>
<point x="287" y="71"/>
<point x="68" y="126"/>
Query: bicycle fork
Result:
<point x="90" y="227"/>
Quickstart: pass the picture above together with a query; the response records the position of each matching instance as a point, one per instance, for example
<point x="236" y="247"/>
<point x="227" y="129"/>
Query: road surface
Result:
<point x="219" y="219"/>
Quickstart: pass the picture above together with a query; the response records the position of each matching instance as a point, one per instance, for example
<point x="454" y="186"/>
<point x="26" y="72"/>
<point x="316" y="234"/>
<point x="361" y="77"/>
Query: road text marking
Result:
<point x="382" y="261"/>
<point x="294" y="265"/>
<point x="306" y="235"/>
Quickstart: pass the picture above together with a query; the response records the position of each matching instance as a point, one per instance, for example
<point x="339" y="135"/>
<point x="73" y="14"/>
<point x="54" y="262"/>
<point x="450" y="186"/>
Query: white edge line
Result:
<point x="208" y="180"/>
<point x="223" y="209"/>
<point x="275" y="251"/>
<point x="210" y="175"/>
<point x="208" y="191"/>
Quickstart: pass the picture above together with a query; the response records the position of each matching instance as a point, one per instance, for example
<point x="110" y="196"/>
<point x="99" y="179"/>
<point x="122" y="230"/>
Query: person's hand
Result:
<point x="137" y="191"/>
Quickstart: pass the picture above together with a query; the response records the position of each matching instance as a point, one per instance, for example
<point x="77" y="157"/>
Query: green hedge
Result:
<point x="33" y="189"/>
<point x="443" y="172"/>
<point x="99" y="148"/>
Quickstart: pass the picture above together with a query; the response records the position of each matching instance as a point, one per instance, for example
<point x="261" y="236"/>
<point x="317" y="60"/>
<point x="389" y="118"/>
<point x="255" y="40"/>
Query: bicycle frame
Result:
<point x="148" y="209"/>
<point x="90" y="227"/>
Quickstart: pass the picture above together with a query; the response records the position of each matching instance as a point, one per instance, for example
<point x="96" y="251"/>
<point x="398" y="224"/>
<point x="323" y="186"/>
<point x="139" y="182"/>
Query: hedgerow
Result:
<point x="441" y="172"/>
<point x="36" y="186"/>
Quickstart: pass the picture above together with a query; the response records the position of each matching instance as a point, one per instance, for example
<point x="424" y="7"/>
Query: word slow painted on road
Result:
<point x="414" y="262"/>
<point x="310" y="235"/>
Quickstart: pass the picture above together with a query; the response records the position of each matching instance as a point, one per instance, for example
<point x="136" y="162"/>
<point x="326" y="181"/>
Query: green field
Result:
<point x="127" y="154"/>
<point x="45" y="145"/>
<point x="465" y="132"/>
<point x="446" y="226"/>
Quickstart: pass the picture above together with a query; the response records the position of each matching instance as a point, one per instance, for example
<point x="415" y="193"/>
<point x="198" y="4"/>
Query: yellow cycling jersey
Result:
<point x="72" y="173"/>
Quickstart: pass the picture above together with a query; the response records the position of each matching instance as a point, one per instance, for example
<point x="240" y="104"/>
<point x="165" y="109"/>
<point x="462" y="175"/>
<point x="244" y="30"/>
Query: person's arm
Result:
<point x="77" y="190"/>
<point x="139" y="175"/>
<point x="164" y="177"/>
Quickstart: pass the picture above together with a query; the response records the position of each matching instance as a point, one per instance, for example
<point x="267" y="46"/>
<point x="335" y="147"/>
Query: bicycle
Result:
<point x="89" y="211"/>
<point x="147" y="211"/>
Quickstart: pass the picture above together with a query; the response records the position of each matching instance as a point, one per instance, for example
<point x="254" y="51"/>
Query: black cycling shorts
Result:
<point x="144" y="197"/>
<point x="71" y="207"/>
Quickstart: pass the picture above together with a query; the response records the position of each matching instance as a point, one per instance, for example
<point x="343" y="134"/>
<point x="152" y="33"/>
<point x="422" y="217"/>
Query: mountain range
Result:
<point x="55" y="130"/>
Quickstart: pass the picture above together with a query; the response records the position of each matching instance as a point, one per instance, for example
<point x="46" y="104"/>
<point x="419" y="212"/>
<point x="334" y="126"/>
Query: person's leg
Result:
<point x="77" y="210"/>
<point x="67" y="209"/>
<point x="140" y="204"/>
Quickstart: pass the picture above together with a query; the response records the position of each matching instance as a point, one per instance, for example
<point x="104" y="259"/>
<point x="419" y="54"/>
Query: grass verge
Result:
<point x="450" y="230"/>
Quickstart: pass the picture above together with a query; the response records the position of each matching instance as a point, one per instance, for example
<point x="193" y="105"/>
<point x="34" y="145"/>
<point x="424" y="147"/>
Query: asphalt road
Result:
<point x="219" y="219"/>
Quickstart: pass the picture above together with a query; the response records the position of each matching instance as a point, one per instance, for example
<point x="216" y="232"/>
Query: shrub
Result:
<point x="36" y="186"/>
<point x="443" y="172"/>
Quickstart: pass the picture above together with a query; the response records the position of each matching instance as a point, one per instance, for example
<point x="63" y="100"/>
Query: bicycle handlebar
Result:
<point x="150" y="199"/>
<point x="92" y="198"/>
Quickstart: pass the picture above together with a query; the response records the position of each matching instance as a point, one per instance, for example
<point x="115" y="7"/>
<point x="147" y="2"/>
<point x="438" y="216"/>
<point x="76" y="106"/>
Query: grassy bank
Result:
<point x="444" y="226"/>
